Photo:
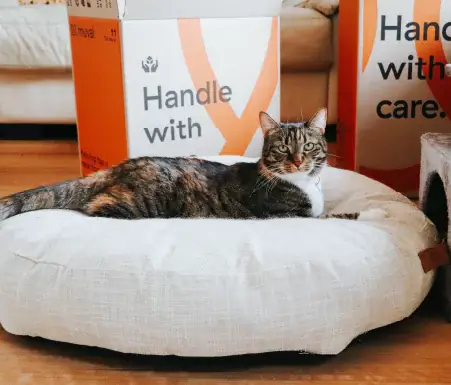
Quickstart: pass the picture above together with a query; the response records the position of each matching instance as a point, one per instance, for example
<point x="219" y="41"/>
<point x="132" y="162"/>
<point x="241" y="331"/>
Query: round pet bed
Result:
<point x="217" y="287"/>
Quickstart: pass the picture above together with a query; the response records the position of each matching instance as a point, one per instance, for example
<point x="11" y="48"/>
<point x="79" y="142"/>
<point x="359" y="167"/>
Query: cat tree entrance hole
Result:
<point x="436" y="205"/>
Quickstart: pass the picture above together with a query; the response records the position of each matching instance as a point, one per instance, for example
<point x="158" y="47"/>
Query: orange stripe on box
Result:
<point x="369" y="32"/>
<point x="99" y="92"/>
<point x="237" y="132"/>
<point x="348" y="72"/>
<point x="427" y="12"/>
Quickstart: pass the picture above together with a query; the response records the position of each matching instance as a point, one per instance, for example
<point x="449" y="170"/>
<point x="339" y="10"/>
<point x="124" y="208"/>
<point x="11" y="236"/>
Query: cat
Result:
<point x="284" y="182"/>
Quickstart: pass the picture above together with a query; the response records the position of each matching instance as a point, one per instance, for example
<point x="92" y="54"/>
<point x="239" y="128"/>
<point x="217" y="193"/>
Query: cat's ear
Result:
<point x="267" y="123"/>
<point x="319" y="121"/>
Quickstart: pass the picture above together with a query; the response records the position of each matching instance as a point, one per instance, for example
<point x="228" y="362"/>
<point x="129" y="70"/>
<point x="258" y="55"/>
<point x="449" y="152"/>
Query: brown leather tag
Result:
<point x="435" y="257"/>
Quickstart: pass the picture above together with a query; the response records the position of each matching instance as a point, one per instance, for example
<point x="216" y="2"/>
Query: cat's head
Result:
<point x="294" y="147"/>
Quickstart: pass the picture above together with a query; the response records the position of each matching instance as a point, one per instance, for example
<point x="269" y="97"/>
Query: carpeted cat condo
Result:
<point x="435" y="198"/>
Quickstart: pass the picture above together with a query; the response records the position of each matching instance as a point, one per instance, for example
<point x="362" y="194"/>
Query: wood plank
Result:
<point x="28" y="164"/>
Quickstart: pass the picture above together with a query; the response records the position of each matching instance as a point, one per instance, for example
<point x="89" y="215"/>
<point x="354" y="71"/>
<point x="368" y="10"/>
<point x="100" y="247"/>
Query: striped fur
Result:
<point x="160" y="187"/>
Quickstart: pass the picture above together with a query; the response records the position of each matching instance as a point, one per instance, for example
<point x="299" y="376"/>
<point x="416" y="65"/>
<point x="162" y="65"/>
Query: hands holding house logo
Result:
<point x="149" y="65"/>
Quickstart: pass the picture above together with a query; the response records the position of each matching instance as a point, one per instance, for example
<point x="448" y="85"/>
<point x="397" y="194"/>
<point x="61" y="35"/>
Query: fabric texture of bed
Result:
<point x="217" y="287"/>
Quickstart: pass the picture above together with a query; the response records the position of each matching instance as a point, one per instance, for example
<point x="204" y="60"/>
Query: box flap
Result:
<point x="105" y="9"/>
<point x="183" y="9"/>
<point x="173" y="9"/>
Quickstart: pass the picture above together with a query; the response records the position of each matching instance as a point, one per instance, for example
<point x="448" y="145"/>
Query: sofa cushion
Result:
<point x="302" y="94"/>
<point x="38" y="37"/>
<point x="8" y="3"/>
<point x="36" y="96"/>
<point x="326" y="7"/>
<point x="306" y="40"/>
<point x="34" y="37"/>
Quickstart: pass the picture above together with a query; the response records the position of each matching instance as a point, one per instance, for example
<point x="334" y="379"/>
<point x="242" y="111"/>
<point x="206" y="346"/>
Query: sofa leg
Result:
<point x="331" y="133"/>
<point x="38" y="132"/>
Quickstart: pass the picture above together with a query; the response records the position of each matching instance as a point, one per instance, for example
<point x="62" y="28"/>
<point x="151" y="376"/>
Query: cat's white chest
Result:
<point x="312" y="188"/>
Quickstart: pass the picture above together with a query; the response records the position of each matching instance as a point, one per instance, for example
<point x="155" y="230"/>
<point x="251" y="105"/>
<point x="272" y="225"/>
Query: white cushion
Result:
<point x="216" y="287"/>
<point x="34" y="37"/>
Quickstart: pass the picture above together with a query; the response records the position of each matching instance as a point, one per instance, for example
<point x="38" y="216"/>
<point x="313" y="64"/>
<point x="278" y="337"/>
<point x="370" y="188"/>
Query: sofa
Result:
<point x="35" y="61"/>
<point x="308" y="50"/>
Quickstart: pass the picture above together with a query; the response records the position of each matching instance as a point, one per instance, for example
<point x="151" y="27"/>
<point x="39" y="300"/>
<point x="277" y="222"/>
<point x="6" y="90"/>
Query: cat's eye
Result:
<point x="283" y="148"/>
<point x="308" y="146"/>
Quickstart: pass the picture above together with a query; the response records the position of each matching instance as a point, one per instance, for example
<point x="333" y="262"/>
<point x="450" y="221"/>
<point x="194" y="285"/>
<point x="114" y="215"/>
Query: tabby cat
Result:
<point x="284" y="182"/>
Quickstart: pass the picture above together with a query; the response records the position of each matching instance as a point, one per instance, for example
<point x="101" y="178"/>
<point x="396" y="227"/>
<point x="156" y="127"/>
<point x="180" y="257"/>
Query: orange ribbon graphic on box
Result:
<point x="237" y="131"/>
<point x="369" y="31"/>
<point x="427" y="12"/>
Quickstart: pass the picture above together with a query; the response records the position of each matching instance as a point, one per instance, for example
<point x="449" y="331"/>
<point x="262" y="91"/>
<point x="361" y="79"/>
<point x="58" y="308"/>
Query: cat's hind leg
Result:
<point x="116" y="202"/>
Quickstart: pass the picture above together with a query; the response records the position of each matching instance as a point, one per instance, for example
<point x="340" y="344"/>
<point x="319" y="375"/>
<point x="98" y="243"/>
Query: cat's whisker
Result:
<point x="262" y="180"/>
<point x="266" y="180"/>
<point x="271" y="181"/>
<point x="260" y="183"/>
<point x="274" y="184"/>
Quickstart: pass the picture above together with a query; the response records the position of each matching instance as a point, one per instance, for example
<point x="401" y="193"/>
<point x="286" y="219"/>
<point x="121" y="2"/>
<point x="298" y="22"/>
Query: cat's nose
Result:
<point x="297" y="161"/>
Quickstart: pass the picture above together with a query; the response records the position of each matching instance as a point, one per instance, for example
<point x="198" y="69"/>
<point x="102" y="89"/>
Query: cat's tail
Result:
<point x="70" y="195"/>
<point x="367" y="215"/>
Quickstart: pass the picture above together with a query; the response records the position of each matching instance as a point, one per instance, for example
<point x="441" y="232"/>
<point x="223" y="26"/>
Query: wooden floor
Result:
<point x="26" y="165"/>
<point x="414" y="351"/>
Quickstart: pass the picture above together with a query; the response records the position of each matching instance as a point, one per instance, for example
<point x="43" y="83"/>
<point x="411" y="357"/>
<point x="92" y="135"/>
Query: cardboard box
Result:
<point x="392" y="85"/>
<point x="173" y="77"/>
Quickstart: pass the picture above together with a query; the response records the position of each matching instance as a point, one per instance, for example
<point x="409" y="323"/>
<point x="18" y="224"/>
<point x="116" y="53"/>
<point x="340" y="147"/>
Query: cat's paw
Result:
<point x="372" y="214"/>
